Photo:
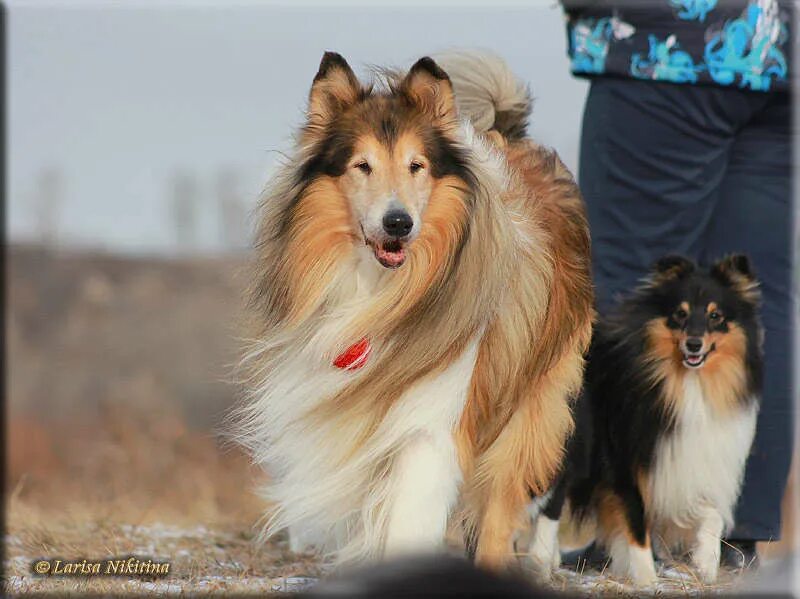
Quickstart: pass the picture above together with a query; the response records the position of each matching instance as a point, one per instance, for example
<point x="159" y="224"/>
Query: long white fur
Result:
<point x="395" y="492"/>
<point x="701" y="464"/>
<point x="425" y="481"/>
<point x="697" y="474"/>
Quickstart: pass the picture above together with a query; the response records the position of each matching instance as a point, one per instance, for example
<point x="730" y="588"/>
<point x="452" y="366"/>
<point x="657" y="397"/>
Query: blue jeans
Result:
<point x="701" y="171"/>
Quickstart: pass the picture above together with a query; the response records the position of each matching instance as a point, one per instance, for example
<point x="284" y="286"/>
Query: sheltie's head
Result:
<point x="702" y="318"/>
<point x="374" y="161"/>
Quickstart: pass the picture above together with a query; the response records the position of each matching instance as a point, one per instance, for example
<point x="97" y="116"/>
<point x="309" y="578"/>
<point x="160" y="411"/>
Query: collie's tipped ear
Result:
<point x="737" y="271"/>
<point x="335" y="87"/>
<point x="428" y="86"/>
<point x="673" y="266"/>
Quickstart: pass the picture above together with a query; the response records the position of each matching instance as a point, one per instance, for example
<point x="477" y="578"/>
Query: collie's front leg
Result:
<point x="500" y="520"/>
<point x="423" y="491"/>
<point x="706" y="552"/>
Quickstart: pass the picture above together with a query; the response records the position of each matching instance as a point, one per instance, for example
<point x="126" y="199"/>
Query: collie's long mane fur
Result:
<point x="498" y="277"/>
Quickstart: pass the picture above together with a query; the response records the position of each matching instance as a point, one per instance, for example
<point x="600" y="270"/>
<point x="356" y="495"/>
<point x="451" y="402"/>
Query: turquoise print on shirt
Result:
<point x="747" y="48"/>
<point x="666" y="62"/>
<point x="590" y="39"/>
<point x="745" y="44"/>
<point x="693" y="10"/>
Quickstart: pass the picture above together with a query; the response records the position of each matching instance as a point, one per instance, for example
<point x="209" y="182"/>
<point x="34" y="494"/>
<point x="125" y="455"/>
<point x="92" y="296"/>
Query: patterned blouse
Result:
<point x="739" y="43"/>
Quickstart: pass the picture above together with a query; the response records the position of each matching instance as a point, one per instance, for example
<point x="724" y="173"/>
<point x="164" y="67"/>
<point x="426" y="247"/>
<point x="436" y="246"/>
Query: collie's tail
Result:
<point x="487" y="92"/>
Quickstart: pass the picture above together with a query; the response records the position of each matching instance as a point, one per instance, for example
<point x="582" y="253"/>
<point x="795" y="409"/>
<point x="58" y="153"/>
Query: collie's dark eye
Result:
<point x="415" y="167"/>
<point x="680" y="314"/>
<point x="364" y="167"/>
<point x="715" y="316"/>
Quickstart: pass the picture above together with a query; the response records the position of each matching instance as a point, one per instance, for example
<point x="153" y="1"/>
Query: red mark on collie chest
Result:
<point x="354" y="357"/>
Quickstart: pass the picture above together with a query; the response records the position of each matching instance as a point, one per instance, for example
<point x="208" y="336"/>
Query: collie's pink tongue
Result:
<point x="694" y="359"/>
<point x="354" y="357"/>
<point x="393" y="258"/>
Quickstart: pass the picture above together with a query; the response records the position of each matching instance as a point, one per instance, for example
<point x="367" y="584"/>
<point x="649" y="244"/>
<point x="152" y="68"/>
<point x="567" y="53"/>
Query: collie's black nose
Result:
<point x="694" y="344"/>
<point x="397" y="223"/>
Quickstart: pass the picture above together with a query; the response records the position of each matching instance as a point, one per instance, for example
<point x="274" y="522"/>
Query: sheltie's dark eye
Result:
<point x="715" y="316"/>
<point x="415" y="167"/>
<point x="364" y="167"/>
<point x="680" y="314"/>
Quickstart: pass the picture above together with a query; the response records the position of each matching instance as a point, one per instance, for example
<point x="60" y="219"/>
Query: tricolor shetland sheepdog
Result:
<point x="666" y="421"/>
<point x="422" y="303"/>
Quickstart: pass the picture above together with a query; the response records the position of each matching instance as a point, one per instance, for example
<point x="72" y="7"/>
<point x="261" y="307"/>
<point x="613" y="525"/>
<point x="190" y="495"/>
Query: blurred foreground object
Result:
<point x="440" y="576"/>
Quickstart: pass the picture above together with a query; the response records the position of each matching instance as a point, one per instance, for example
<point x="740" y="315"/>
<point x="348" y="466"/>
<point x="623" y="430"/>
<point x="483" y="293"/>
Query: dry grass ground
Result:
<point x="116" y="378"/>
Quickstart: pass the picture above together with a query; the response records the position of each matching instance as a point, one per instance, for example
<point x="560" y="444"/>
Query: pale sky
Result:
<point x="118" y="96"/>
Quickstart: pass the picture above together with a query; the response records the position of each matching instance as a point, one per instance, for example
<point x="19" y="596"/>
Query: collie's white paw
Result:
<point x="303" y="540"/>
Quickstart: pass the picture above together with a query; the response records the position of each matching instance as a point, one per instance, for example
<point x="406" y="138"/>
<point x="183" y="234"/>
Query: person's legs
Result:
<point x="652" y="158"/>
<point x="754" y="216"/>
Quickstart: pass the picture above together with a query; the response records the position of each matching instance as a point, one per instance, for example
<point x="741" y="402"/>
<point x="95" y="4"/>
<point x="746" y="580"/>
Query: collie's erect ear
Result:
<point x="428" y="86"/>
<point x="735" y="270"/>
<point x="335" y="87"/>
<point x="673" y="266"/>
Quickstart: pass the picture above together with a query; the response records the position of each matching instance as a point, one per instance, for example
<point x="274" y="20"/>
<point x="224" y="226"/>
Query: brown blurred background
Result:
<point x="118" y="374"/>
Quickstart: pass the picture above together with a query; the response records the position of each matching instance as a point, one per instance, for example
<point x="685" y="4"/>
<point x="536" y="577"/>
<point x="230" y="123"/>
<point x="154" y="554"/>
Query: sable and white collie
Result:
<point x="666" y="421"/>
<point x="422" y="303"/>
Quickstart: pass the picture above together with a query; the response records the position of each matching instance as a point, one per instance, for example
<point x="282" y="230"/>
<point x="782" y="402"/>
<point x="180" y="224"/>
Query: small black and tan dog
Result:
<point x="666" y="421"/>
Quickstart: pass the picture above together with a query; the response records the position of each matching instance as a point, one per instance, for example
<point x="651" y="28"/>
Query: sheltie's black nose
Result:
<point x="694" y="344"/>
<point x="397" y="223"/>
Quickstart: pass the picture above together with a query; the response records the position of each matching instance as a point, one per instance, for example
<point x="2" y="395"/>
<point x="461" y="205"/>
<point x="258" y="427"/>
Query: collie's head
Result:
<point x="698" y="318"/>
<point x="384" y="183"/>
<point x="375" y="161"/>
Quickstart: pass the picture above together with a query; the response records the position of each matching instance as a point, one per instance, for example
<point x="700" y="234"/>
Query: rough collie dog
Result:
<point x="422" y="304"/>
<point x="666" y="421"/>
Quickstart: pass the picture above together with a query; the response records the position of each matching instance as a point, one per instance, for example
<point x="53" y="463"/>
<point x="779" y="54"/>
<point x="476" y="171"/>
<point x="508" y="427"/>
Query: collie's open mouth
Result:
<point x="696" y="360"/>
<point x="391" y="254"/>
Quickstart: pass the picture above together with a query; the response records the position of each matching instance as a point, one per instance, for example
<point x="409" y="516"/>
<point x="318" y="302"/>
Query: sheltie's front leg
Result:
<point x="623" y="530"/>
<point x="545" y="513"/>
<point x="706" y="552"/>
<point x="422" y="493"/>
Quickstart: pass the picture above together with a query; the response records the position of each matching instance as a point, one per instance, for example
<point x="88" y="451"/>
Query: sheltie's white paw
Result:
<point x="543" y="549"/>
<point x="706" y="562"/>
<point x="634" y="563"/>
<point x="706" y="553"/>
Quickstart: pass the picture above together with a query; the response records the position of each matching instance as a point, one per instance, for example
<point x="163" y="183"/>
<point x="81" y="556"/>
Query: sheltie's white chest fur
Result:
<point x="701" y="462"/>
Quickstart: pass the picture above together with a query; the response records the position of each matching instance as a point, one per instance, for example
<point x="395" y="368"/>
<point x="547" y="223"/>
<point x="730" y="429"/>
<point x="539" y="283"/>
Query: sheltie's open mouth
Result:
<point x="391" y="253"/>
<point x="696" y="360"/>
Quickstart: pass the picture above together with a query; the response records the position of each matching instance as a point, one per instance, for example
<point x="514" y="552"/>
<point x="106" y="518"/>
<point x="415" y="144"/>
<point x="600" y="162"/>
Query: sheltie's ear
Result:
<point x="734" y="265"/>
<point x="335" y="88"/>
<point x="428" y="86"/>
<point x="736" y="271"/>
<point x="672" y="266"/>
